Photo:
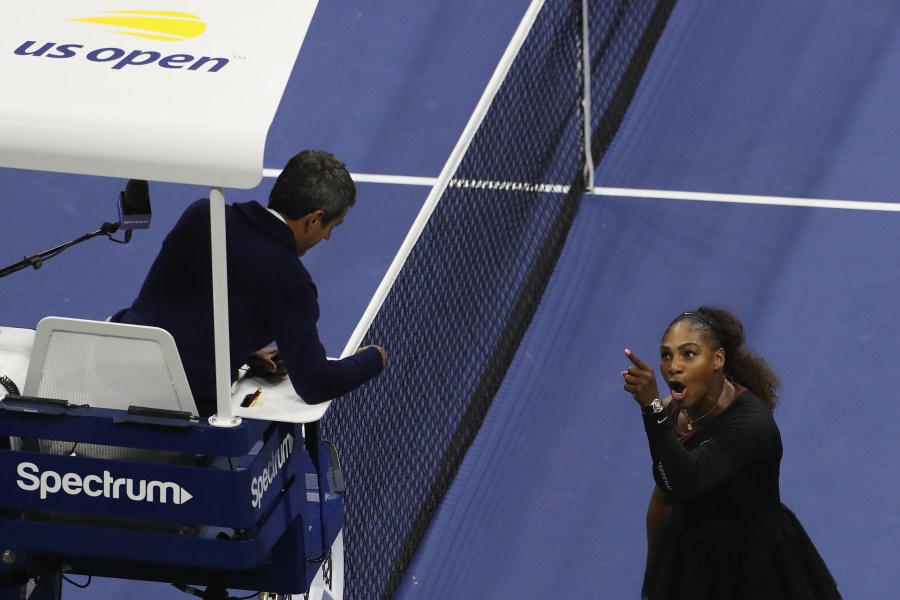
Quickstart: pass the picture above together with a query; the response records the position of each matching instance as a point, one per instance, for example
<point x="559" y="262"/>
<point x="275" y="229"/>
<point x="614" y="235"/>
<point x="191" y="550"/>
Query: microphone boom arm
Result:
<point x="36" y="261"/>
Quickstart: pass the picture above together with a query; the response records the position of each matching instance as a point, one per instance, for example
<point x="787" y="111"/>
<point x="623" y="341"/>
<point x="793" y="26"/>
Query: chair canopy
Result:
<point x="184" y="95"/>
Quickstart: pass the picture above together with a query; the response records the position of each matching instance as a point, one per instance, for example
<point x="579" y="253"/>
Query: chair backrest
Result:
<point x="106" y="365"/>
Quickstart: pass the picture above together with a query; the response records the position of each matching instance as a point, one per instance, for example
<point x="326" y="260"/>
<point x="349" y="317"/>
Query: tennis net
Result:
<point x="460" y="303"/>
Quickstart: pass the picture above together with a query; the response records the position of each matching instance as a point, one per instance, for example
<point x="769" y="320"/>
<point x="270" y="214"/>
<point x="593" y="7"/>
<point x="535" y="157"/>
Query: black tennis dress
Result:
<point x="729" y="536"/>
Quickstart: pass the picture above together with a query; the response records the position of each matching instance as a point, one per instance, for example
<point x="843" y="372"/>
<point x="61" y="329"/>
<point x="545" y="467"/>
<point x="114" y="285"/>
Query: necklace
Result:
<point x="690" y="425"/>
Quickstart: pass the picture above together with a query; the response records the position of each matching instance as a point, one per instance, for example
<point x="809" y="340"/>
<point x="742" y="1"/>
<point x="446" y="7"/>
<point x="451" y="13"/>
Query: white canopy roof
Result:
<point x="180" y="90"/>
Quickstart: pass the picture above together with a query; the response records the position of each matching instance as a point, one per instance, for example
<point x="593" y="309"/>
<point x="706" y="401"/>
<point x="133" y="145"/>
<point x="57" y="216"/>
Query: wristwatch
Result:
<point x="652" y="408"/>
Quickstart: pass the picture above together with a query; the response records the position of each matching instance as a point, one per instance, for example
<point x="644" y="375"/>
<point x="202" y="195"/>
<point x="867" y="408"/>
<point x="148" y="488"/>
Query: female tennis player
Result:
<point x="716" y="527"/>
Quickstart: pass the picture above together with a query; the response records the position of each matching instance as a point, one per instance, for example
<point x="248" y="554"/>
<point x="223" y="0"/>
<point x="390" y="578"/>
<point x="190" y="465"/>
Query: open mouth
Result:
<point x="678" y="390"/>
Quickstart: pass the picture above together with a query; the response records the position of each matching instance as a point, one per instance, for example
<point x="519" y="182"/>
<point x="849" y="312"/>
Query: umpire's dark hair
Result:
<point x="310" y="181"/>
<point x="742" y="365"/>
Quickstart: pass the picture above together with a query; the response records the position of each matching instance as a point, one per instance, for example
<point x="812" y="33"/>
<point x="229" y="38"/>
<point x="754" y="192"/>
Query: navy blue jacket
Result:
<point x="271" y="298"/>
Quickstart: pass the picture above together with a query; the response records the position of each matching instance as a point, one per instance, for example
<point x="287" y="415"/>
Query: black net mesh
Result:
<point x="455" y="315"/>
<point x="620" y="48"/>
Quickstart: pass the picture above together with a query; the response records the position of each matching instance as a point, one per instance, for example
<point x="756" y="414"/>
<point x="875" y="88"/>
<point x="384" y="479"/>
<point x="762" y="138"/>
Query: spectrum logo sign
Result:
<point x="280" y="455"/>
<point x="157" y="25"/>
<point x="46" y="483"/>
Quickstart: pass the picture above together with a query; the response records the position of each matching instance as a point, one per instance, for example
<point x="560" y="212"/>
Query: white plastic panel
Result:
<point x="181" y="91"/>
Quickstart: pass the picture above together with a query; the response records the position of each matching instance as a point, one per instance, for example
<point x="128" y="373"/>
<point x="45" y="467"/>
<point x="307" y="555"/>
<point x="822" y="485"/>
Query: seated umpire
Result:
<point x="271" y="296"/>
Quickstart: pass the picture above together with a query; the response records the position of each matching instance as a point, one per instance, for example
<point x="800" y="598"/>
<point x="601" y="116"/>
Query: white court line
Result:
<point x="627" y="192"/>
<point x="748" y="199"/>
<point x="394" y="179"/>
<point x="371" y="178"/>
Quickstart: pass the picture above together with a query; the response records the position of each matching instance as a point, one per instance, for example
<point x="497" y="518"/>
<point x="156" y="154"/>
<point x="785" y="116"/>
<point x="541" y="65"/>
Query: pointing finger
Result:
<point x="635" y="360"/>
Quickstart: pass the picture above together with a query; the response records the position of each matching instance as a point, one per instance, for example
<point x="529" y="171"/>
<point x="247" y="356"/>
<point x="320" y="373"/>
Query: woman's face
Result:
<point x="689" y="363"/>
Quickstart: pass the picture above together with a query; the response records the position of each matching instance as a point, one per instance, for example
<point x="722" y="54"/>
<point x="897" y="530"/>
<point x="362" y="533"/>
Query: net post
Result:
<point x="586" y="96"/>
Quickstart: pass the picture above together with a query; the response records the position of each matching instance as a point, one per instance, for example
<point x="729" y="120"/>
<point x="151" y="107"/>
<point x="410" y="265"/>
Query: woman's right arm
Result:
<point x="657" y="513"/>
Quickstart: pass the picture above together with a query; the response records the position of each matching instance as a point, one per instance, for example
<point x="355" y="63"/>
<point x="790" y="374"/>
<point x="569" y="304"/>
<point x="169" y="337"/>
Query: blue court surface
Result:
<point x="778" y="108"/>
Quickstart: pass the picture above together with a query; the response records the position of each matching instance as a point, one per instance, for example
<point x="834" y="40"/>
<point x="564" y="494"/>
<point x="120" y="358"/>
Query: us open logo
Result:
<point x="157" y="25"/>
<point x="161" y="25"/>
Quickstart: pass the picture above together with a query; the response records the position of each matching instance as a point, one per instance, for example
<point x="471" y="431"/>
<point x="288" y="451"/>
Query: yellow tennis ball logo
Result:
<point x="160" y="25"/>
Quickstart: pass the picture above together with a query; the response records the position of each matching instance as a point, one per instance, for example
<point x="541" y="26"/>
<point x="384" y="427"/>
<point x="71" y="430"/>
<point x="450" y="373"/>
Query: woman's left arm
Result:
<point x="745" y="437"/>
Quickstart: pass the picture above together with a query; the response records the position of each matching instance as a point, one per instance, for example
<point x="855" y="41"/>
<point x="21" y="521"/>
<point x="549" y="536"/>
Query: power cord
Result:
<point x="9" y="385"/>
<point x="76" y="584"/>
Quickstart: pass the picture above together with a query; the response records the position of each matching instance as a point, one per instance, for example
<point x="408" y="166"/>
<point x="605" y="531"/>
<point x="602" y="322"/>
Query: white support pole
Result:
<point x="223" y="416"/>
<point x="586" y="99"/>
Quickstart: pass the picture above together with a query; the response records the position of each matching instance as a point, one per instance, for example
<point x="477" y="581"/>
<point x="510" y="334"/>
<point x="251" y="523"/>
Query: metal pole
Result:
<point x="586" y="99"/>
<point x="223" y="416"/>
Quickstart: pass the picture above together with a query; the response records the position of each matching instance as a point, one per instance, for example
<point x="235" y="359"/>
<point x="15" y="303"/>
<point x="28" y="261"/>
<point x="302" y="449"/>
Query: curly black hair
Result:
<point x="742" y="365"/>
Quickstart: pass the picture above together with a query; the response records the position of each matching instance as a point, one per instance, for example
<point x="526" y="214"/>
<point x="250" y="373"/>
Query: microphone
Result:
<point x="134" y="205"/>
